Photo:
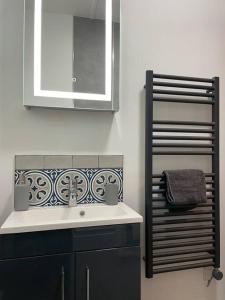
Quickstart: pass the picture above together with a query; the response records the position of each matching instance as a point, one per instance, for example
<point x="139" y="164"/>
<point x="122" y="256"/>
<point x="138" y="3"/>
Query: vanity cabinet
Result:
<point x="95" y="263"/>
<point x="37" y="278"/>
<point x="112" y="274"/>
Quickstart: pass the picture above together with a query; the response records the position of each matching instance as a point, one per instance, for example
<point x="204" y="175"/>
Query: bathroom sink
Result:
<point x="37" y="219"/>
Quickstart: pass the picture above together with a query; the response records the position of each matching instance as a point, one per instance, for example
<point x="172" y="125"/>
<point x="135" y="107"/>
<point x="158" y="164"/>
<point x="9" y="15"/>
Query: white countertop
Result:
<point x="62" y="217"/>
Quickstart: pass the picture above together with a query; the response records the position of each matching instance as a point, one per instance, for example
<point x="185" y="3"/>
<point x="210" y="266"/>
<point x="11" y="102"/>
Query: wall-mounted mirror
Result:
<point x="72" y="53"/>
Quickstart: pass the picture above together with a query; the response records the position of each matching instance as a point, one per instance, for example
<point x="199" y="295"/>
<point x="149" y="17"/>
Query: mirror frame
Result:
<point x="33" y="95"/>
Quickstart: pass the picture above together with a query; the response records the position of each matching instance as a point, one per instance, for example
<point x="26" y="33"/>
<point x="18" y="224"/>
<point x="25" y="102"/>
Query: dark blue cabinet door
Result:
<point x="39" y="278"/>
<point x="112" y="274"/>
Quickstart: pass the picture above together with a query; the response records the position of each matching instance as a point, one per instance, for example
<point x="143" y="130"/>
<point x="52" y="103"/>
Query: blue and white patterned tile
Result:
<point x="41" y="187"/>
<point x="62" y="183"/>
<point x="100" y="179"/>
<point x="51" y="187"/>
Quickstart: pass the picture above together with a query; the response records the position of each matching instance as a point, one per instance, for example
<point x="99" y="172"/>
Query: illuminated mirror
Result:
<point x="71" y="53"/>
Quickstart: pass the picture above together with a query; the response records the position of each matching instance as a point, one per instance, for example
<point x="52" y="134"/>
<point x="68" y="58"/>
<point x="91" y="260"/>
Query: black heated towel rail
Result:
<point x="175" y="240"/>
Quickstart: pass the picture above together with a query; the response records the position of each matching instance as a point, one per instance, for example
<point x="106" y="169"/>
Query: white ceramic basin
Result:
<point x="51" y="218"/>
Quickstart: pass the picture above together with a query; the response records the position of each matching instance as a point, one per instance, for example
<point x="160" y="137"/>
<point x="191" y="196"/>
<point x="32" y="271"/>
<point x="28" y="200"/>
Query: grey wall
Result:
<point x="57" y="50"/>
<point x="89" y="55"/>
<point x="180" y="37"/>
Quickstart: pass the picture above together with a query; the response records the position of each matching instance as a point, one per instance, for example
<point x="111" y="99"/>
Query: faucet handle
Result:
<point x="75" y="182"/>
<point x="73" y="195"/>
<point x="76" y="186"/>
<point x="72" y="183"/>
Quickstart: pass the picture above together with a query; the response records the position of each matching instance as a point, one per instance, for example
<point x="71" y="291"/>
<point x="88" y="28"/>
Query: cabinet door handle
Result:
<point x="88" y="282"/>
<point x="63" y="284"/>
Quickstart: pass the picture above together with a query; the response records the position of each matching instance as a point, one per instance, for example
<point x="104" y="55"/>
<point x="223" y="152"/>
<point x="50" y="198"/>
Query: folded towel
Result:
<point x="185" y="189"/>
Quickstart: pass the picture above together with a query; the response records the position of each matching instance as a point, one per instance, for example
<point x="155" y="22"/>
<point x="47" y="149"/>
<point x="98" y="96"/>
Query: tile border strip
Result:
<point x="49" y="187"/>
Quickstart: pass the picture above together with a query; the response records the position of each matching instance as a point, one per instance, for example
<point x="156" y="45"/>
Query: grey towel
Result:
<point x="185" y="189"/>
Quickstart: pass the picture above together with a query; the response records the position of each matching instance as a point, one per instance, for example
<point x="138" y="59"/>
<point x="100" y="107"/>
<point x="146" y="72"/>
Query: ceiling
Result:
<point x="94" y="9"/>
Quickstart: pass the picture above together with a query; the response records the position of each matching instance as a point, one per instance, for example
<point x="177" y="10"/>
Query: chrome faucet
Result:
<point x="72" y="193"/>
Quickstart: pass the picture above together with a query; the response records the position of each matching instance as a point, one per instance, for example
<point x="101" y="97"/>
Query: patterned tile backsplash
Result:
<point x="49" y="187"/>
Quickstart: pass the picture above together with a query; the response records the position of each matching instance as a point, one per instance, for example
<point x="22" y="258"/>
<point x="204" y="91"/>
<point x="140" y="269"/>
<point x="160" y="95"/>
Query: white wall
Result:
<point x="180" y="37"/>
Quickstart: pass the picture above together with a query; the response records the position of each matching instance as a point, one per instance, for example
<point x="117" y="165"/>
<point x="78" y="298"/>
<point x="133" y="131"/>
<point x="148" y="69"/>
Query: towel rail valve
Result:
<point x="216" y="274"/>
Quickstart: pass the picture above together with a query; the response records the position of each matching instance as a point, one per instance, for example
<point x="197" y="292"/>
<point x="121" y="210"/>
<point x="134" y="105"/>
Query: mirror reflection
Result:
<point x="73" y="46"/>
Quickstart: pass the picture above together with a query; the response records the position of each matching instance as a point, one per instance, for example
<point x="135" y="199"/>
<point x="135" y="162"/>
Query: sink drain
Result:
<point x="82" y="213"/>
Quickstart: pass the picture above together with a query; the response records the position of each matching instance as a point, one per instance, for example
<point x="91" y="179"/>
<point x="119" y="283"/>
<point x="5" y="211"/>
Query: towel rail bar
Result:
<point x="171" y="145"/>
<point x="182" y="152"/>
<point x="162" y="176"/>
<point x="183" y="78"/>
<point x="182" y="268"/>
<point x="162" y="191"/>
<point x="184" y="244"/>
<point x="180" y="214"/>
<point x="179" y="100"/>
<point x="183" y="85"/>
<point x="184" y="228"/>
<point x="182" y="221"/>
<point x="162" y="183"/>
<point x="184" y="130"/>
<point x="172" y="234"/>
<point x="182" y="237"/>
<point x="209" y="249"/>
<point x="183" y="93"/>
<point x="163" y="199"/>
<point x="182" y="260"/>
<point x="183" y="138"/>
<point x="172" y="122"/>
<point x="165" y="206"/>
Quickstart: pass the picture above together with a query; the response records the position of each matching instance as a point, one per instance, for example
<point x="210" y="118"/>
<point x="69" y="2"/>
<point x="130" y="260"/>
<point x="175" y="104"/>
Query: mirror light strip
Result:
<point x="37" y="46"/>
<point x="37" y="60"/>
<point x="108" y="47"/>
